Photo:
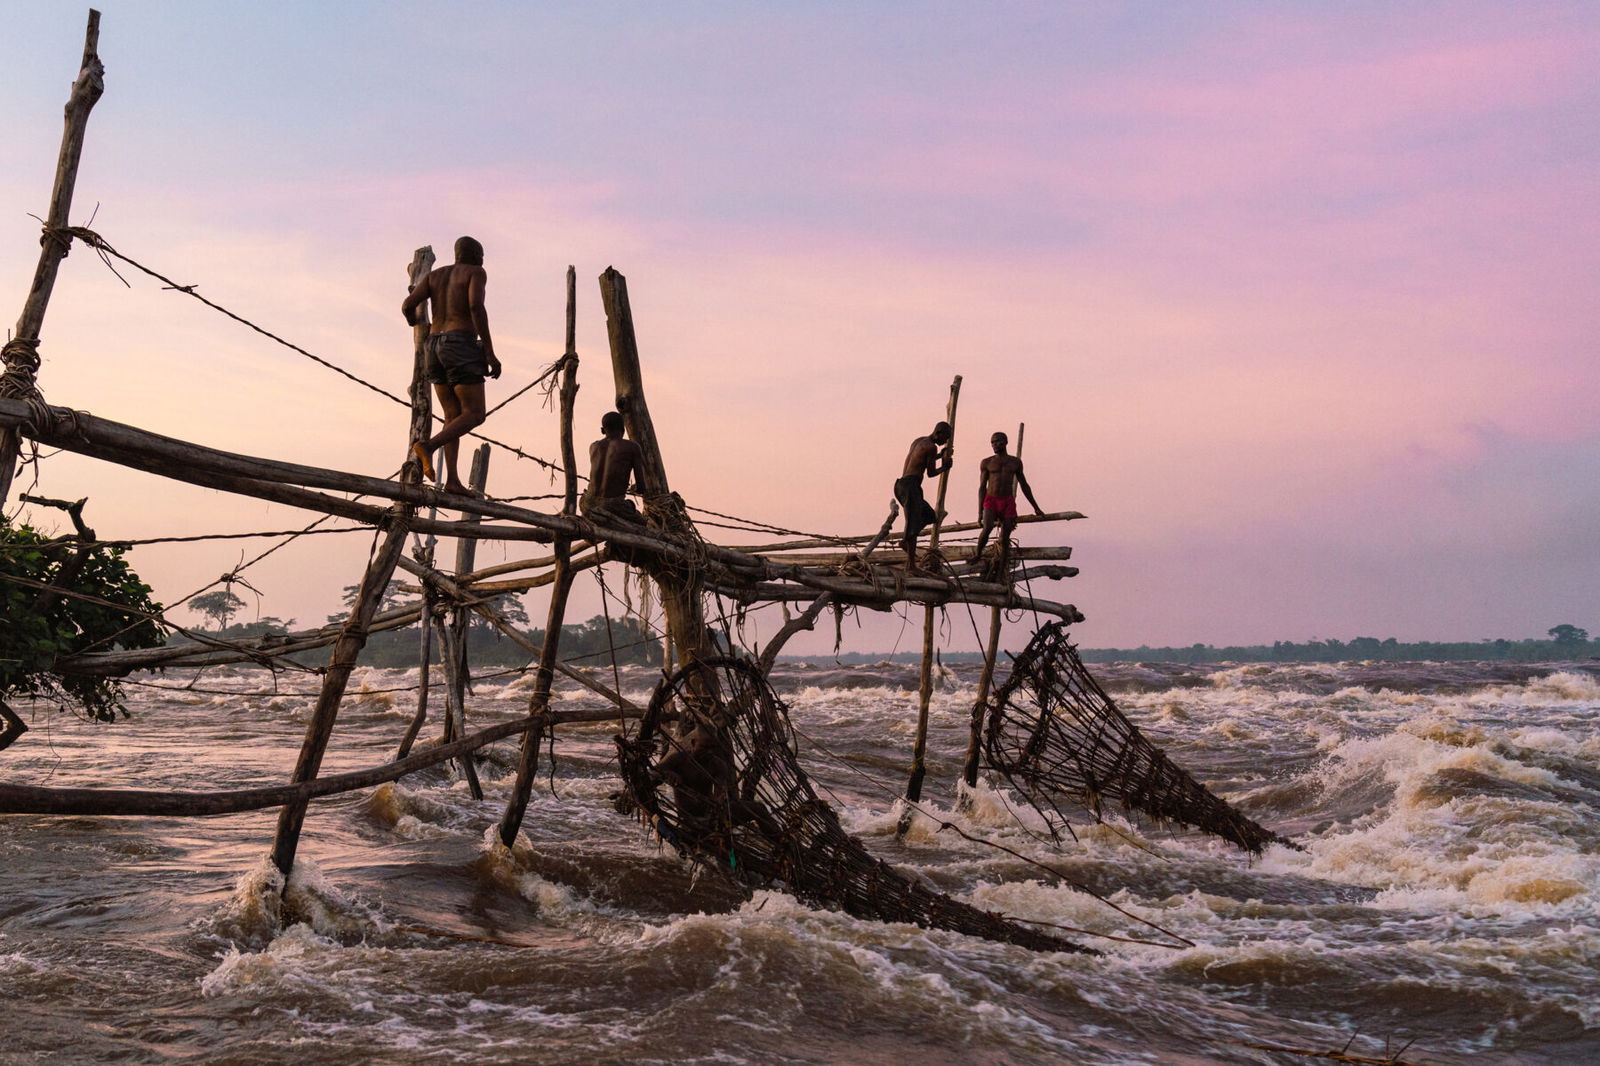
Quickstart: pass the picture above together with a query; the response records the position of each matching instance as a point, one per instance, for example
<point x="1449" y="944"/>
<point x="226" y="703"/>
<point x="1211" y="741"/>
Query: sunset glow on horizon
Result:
<point x="1295" y="302"/>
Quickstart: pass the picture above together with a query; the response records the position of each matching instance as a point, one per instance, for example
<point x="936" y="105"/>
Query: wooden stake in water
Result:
<point x="919" y="748"/>
<point x="969" y="771"/>
<point x="539" y="702"/>
<point x="353" y="635"/>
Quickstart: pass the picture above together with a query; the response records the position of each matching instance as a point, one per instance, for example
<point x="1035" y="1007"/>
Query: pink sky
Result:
<point x="1295" y="302"/>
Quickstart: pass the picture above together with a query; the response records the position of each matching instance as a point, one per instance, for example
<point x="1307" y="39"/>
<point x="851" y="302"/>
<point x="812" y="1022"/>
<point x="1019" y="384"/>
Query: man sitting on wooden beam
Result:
<point x="613" y="462"/>
<point x="460" y="353"/>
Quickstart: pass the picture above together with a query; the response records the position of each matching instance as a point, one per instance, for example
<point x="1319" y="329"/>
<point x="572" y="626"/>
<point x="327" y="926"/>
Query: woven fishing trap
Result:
<point x="713" y="771"/>
<point x="1056" y="736"/>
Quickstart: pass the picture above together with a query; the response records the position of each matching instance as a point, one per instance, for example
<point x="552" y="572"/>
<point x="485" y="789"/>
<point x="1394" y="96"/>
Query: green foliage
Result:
<point x="101" y="604"/>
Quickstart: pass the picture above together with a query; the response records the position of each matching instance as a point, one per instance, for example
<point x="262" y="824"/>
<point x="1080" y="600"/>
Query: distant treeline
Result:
<point x="585" y="644"/>
<point x="1566" y="643"/>
<point x="1356" y="649"/>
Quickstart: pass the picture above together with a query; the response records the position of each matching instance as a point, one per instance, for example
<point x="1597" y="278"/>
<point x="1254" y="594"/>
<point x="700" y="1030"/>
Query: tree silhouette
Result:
<point x="219" y="606"/>
<point x="1568" y="635"/>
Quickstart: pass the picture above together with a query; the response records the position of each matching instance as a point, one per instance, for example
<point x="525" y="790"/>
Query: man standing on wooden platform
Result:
<point x="613" y="462"/>
<point x="460" y="353"/>
<point x="922" y="461"/>
<point x="998" y="478"/>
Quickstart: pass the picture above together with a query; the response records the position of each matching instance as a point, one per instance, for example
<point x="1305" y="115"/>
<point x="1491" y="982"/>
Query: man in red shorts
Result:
<point x="999" y="475"/>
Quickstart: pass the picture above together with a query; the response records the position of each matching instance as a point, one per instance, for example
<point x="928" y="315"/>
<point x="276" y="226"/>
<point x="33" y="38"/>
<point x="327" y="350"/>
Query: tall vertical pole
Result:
<point x="374" y="583"/>
<point x="680" y="593"/>
<point x="919" y="748"/>
<point x="969" y="771"/>
<point x="421" y="263"/>
<point x="539" y="702"/>
<point x="460" y="631"/>
<point x="21" y="352"/>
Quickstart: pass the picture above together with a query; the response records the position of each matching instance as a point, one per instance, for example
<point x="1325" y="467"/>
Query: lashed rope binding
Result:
<point x="725" y="789"/>
<point x="1056" y="736"/>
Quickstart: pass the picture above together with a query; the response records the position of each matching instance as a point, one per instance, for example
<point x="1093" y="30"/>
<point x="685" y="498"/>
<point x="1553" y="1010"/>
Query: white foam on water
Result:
<point x="254" y="912"/>
<point x="282" y="961"/>
<point x="941" y="979"/>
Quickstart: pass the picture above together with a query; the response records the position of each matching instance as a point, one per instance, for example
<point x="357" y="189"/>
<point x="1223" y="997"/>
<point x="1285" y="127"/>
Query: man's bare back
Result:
<point x="920" y="459"/>
<point x="612" y="462"/>
<point x="450" y="290"/>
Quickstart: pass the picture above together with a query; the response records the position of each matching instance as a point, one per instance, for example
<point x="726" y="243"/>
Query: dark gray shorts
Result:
<point x="456" y="357"/>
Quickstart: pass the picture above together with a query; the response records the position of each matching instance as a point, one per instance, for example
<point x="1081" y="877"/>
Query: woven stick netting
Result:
<point x="1056" y="736"/>
<point x="722" y="785"/>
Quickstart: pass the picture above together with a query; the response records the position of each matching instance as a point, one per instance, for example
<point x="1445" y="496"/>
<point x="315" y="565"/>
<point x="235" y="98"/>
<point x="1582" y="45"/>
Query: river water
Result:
<point x="1447" y="895"/>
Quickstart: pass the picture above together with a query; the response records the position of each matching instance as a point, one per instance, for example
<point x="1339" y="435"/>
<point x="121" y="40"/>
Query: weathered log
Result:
<point x="805" y="620"/>
<point x="488" y="612"/>
<point x="680" y="584"/>
<point x="21" y="353"/>
<point x="986" y="595"/>
<point x="340" y="664"/>
<point x="353" y="637"/>
<point x="421" y="264"/>
<point x="248" y="649"/>
<point x="109" y="802"/>
<point x="466" y="552"/>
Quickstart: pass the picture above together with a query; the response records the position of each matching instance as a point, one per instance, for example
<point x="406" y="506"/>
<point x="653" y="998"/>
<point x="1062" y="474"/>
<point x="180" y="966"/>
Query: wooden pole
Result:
<point x="969" y="769"/>
<point x="919" y="747"/>
<point x="496" y="619"/>
<point x="680" y="585"/>
<point x="353" y="636"/>
<point x="539" y="702"/>
<point x="457" y="647"/>
<point x="422" y="261"/>
<point x="21" y="353"/>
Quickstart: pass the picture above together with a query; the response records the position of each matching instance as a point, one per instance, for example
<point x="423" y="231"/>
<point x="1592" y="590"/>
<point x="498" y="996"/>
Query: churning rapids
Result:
<point x="1449" y="893"/>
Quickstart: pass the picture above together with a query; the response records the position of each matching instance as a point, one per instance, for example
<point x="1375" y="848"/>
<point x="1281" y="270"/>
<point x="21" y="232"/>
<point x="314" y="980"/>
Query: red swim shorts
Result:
<point x="1004" y="506"/>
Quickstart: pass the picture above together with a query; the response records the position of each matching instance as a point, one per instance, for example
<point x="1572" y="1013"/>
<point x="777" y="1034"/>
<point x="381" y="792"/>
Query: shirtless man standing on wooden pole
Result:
<point x="999" y="476"/>
<point x="460" y="353"/>
<point x="921" y="461"/>
<point x="613" y="462"/>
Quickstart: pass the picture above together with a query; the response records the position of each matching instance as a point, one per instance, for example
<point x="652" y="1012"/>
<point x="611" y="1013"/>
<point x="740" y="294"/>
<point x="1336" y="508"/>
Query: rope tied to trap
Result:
<point x="1056" y="736"/>
<point x="724" y="788"/>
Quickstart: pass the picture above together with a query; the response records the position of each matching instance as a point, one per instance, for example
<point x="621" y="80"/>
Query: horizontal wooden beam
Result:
<point x="954" y="553"/>
<point x="288" y="483"/>
<point x="835" y="542"/>
<point x="125" y="802"/>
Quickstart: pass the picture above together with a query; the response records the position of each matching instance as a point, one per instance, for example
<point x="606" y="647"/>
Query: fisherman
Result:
<point x="613" y="462"/>
<point x="460" y="353"/>
<point x="921" y="461"/>
<point x="999" y="476"/>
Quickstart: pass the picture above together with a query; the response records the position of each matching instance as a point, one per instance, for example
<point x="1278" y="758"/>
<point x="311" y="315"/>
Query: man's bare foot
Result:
<point x="458" y="488"/>
<point x="421" y="452"/>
